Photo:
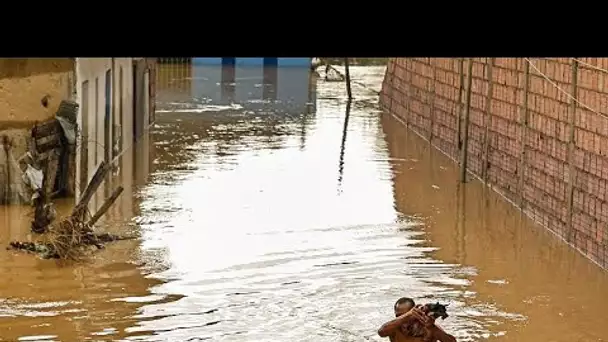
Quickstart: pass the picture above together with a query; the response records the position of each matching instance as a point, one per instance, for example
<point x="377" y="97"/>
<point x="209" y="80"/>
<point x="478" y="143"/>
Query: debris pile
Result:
<point x="332" y="74"/>
<point x="48" y="172"/>
<point x="52" y="150"/>
<point x="71" y="236"/>
<point x="47" y="149"/>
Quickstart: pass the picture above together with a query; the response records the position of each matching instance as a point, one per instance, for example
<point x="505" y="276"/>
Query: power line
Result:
<point x="590" y="66"/>
<point x="548" y="79"/>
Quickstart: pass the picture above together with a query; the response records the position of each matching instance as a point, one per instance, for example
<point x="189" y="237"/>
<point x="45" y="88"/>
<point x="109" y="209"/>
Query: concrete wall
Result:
<point x="141" y="96"/>
<point x="91" y="117"/>
<point x="520" y="148"/>
<point x="25" y="81"/>
<point x="23" y="84"/>
<point x="152" y="64"/>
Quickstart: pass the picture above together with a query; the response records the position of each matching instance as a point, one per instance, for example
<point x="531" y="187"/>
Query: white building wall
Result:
<point x="93" y="71"/>
<point x="146" y="103"/>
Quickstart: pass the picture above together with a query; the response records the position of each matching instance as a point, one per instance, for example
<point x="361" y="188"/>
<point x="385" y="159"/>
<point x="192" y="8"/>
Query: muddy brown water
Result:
<point x="269" y="225"/>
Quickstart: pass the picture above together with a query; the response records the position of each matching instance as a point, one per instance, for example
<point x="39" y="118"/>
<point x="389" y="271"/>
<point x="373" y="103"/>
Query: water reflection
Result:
<point x="255" y="240"/>
<point x="66" y="301"/>
<point x="229" y="109"/>
<point x="289" y="91"/>
<point x="343" y="146"/>
<point x="516" y="265"/>
<point x="245" y="238"/>
<point x="461" y="204"/>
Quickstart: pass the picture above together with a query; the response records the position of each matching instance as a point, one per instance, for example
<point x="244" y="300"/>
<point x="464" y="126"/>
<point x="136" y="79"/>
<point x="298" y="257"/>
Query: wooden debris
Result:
<point x="7" y="145"/>
<point x="106" y="205"/>
<point x="44" y="213"/>
<point x="47" y="250"/>
<point x="89" y="191"/>
<point x="51" y="149"/>
<point x="70" y="237"/>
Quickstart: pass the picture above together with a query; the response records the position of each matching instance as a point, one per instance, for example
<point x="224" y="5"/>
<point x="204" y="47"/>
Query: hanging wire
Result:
<point x="590" y="66"/>
<point x="564" y="91"/>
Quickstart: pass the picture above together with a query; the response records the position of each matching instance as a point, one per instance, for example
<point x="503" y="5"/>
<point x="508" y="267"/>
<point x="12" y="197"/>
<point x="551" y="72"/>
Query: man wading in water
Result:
<point x="400" y="328"/>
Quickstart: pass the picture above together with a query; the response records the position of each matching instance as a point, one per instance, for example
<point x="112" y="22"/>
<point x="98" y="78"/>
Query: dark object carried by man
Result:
<point x="436" y="310"/>
<point x="417" y="321"/>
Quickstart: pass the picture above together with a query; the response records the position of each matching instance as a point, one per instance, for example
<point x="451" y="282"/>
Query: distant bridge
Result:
<point x="254" y="61"/>
<point x="241" y="61"/>
<point x="250" y="82"/>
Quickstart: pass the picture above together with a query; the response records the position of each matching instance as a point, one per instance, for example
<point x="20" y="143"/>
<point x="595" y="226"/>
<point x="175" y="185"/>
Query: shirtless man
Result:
<point x="407" y="313"/>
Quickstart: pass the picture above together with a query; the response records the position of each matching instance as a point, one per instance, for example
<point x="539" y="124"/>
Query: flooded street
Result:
<point x="263" y="219"/>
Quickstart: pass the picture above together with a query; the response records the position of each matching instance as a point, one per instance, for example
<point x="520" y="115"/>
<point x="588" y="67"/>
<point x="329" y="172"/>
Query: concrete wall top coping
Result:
<point x="25" y="67"/>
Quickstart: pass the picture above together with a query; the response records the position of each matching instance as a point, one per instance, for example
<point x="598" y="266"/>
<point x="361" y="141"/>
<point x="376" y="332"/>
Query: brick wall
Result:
<point x="522" y="149"/>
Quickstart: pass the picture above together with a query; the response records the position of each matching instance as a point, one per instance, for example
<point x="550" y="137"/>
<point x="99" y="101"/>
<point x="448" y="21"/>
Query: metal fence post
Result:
<point x="460" y="107"/>
<point x="433" y="96"/>
<point x="486" y="123"/>
<point x="570" y="155"/>
<point x="465" y="128"/>
<point x="524" y="119"/>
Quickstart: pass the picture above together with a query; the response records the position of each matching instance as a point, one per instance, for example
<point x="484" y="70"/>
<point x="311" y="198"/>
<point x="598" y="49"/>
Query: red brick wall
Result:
<point x="429" y="95"/>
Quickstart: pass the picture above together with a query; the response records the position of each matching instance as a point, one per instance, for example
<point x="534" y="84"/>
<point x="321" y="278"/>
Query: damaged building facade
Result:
<point x="31" y="92"/>
<point x="59" y="118"/>
<point x="116" y="97"/>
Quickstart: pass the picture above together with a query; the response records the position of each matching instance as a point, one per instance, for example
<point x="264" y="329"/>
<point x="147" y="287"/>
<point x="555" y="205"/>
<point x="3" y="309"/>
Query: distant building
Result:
<point x="250" y="61"/>
<point x="252" y="82"/>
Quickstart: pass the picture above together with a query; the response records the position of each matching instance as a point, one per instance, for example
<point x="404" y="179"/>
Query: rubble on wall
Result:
<point x="73" y="235"/>
<point x="46" y="170"/>
<point x="12" y="142"/>
<point x="332" y="74"/>
<point x="53" y="144"/>
<point x="50" y="150"/>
